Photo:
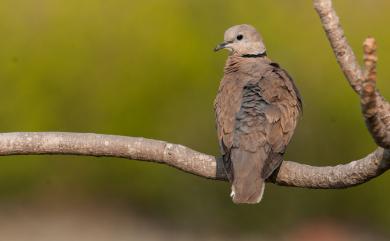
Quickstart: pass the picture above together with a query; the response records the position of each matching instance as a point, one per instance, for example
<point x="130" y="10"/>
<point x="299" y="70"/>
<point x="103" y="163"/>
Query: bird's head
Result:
<point x="242" y="40"/>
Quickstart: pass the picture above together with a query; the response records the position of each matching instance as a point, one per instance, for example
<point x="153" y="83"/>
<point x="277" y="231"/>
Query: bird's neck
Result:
<point x="236" y="63"/>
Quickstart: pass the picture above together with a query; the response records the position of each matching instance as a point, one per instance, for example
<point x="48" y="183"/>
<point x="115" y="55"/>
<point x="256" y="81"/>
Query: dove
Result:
<point x="257" y="109"/>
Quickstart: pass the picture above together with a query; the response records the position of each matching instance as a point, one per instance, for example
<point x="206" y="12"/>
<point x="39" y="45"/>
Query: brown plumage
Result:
<point x="257" y="108"/>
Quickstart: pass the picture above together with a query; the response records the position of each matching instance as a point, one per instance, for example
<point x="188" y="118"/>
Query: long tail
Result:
<point x="248" y="183"/>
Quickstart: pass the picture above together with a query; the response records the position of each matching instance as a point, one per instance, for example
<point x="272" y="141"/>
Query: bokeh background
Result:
<point x="146" y="68"/>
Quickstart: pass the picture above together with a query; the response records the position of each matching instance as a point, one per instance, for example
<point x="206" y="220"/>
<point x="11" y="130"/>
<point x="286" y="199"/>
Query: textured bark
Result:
<point x="340" y="176"/>
<point x="186" y="159"/>
<point x="89" y="144"/>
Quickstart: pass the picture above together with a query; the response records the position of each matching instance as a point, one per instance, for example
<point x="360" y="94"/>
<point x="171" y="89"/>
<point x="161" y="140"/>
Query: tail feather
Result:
<point x="248" y="183"/>
<point x="242" y="197"/>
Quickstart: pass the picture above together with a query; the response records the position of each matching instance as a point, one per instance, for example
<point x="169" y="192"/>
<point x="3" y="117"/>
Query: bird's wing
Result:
<point x="267" y="119"/>
<point x="226" y="105"/>
<point x="283" y="114"/>
<point x="290" y="85"/>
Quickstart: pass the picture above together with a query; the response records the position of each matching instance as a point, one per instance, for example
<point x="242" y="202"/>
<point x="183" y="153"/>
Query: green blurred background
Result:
<point x="146" y="68"/>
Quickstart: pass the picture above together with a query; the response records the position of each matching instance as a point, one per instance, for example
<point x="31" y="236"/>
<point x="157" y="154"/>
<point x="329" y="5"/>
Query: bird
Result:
<point x="257" y="108"/>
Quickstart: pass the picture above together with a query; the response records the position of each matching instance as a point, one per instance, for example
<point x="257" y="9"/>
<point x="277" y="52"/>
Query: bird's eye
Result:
<point x="240" y="36"/>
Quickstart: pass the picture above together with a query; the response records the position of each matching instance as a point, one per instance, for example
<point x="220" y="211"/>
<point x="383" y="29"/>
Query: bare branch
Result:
<point x="332" y="177"/>
<point x="89" y="144"/>
<point x="375" y="108"/>
<point x="344" y="53"/>
<point x="186" y="159"/>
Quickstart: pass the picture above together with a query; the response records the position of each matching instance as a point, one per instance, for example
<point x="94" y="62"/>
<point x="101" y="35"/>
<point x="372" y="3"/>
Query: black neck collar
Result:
<point x="254" y="55"/>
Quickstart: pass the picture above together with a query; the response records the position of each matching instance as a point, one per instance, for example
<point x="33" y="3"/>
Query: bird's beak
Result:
<point x="220" y="46"/>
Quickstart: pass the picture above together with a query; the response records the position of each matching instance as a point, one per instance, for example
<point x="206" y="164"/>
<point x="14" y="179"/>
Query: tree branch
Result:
<point x="335" y="33"/>
<point x="375" y="109"/>
<point x="186" y="159"/>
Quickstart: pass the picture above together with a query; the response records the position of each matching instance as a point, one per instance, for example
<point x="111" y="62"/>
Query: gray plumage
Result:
<point x="257" y="109"/>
